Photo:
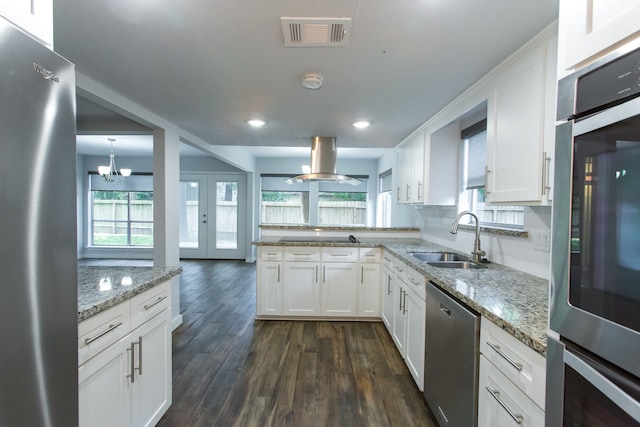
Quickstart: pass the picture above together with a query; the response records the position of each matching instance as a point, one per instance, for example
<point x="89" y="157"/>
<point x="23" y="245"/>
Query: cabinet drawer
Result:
<point x="522" y="365"/>
<point x="146" y="305"/>
<point x="339" y="254"/>
<point x="369" y="255"/>
<point x="271" y="253"/>
<point x="500" y="403"/>
<point x="417" y="282"/>
<point x="387" y="260"/>
<point x="301" y="253"/>
<point x="103" y="329"/>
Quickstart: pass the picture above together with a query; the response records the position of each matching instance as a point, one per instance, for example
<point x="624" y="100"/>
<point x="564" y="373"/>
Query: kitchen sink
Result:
<point x="438" y="256"/>
<point x="453" y="264"/>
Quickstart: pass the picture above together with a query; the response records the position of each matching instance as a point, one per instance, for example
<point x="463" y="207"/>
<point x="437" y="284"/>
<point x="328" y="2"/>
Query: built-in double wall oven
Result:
<point x="593" y="353"/>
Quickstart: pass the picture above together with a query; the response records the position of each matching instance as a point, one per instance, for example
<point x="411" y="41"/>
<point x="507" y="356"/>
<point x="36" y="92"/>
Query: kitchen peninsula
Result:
<point x="124" y="344"/>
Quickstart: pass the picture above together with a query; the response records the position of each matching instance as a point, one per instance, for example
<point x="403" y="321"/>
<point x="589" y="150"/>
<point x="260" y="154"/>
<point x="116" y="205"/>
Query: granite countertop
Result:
<point x="296" y="227"/>
<point x="516" y="301"/>
<point x="102" y="287"/>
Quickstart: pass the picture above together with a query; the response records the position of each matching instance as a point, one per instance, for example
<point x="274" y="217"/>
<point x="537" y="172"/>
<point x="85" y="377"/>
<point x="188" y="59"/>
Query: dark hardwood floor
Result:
<point x="232" y="370"/>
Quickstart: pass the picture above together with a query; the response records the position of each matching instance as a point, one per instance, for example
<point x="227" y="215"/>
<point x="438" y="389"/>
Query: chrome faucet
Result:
<point x="477" y="252"/>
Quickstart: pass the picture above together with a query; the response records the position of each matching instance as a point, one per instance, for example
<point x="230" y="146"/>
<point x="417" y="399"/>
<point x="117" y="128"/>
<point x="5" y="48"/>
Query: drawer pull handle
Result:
<point x="516" y="365"/>
<point x="140" y="355"/>
<point x="307" y="254"/>
<point x="517" y="418"/>
<point x="100" y="335"/>
<point x="133" y="362"/>
<point x="156" y="302"/>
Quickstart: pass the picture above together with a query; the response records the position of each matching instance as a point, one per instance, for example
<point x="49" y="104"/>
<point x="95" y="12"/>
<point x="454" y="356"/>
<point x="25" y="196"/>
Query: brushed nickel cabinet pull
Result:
<point x="497" y="349"/>
<point x="389" y="285"/>
<point x="140" y="355"/>
<point x="101" y="334"/>
<point x="156" y="302"/>
<point x="133" y="367"/>
<point x="278" y="273"/>
<point x="496" y="395"/>
<point x="487" y="171"/>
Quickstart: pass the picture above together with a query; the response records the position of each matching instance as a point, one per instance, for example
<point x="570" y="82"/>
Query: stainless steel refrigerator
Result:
<point x="38" y="262"/>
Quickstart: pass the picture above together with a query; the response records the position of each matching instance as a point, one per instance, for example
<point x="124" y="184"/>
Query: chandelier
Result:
<point x="111" y="173"/>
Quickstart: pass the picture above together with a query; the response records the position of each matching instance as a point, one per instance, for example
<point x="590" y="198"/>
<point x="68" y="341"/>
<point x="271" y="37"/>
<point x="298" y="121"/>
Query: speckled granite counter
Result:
<point x="513" y="300"/>
<point x="102" y="287"/>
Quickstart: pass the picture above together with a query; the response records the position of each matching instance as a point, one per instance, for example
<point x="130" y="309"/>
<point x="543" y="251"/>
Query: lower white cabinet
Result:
<point x="501" y="403"/>
<point x="128" y="383"/>
<point x="388" y="298"/>
<point x="399" y="323"/>
<point x="369" y="290"/>
<point x="301" y="289"/>
<point x="339" y="289"/>
<point x="307" y="281"/>
<point x="512" y="380"/>
<point x="415" y="331"/>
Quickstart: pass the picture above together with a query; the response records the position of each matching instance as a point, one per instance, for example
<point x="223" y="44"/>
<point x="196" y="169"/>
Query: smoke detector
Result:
<point x="311" y="81"/>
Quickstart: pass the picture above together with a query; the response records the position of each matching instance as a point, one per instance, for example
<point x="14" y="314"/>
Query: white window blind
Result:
<point x="385" y="181"/>
<point x="476" y="139"/>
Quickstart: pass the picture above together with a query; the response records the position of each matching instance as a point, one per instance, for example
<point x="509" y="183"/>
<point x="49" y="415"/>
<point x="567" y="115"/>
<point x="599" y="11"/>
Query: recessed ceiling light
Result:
<point x="362" y="124"/>
<point x="256" y="123"/>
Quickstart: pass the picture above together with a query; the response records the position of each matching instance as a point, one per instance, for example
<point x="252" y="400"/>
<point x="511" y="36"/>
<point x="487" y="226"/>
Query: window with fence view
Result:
<point x="312" y="203"/>
<point x="122" y="218"/>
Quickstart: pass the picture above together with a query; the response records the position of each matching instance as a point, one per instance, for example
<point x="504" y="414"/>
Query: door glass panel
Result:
<point x="227" y="214"/>
<point x="189" y="213"/>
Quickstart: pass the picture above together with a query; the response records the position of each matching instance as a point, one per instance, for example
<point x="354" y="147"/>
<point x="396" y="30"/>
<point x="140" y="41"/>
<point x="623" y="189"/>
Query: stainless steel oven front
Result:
<point x="595" y="280"/>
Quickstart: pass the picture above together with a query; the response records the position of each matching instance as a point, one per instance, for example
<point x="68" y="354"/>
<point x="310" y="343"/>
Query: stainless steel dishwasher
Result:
<point x="451" y="360"/>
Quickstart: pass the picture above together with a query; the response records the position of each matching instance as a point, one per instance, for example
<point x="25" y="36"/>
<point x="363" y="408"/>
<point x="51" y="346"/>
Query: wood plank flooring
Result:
<point x="232" y="370"/>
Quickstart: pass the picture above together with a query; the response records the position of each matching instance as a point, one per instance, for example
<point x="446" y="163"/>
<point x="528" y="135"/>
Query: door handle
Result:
<point x="445" y="310"/>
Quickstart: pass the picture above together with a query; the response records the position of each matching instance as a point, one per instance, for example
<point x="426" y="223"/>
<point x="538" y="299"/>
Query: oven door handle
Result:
<point x="625" y="402"/>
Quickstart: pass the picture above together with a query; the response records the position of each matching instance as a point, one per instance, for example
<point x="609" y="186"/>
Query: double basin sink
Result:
<point x="444" y="259"/>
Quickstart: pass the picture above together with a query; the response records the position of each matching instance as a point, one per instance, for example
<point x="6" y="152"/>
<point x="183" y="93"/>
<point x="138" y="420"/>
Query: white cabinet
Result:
<point x="520" y="127"/>
<point x="404" y="314"/>
<point x="500" y="403"/>
<point x="309" y="281"/>
<point x="589" y="29"/>
<point x="127" y="382"/>
<point x="512" y="380"/>
<point x="33" y="16"/>
<point x="399" y="322"/>
<point x="415" y="290"/>
<point x="427" y="168"/>
<point x="369" y="290"/>
<point x="269" y="273"/>
<point x="301" y="289"/>
<point x="339" y="289"/>
<point x="388" y="298"/>
<point x="301" y="281"/>
<point x="103" y="391"/>
<point x="410" y="167"/>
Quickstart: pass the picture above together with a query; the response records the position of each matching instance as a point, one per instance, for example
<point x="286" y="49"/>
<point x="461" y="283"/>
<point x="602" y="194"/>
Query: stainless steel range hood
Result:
<point x="323" y="164"/>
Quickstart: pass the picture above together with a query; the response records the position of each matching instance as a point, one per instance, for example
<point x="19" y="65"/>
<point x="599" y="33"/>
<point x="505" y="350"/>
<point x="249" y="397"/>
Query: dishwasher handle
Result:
<point x="445" y="310"/>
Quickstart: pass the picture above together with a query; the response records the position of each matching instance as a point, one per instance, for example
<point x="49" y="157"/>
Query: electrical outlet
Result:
<point x="541" y="240"/>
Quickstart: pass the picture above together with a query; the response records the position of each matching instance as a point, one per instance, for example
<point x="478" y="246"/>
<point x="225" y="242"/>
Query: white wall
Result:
<point x="205" y="164"/>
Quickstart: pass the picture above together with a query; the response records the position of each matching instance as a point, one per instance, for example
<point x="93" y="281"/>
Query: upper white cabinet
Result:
<point x="589" y="29"/>
<point x="428" y="169"/>
<point x="411" y="170"/>
<point x="520" y="124"/>
<point x="33" y="16"/>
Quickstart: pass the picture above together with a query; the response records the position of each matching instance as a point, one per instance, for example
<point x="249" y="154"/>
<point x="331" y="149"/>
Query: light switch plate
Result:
<point x="541" y="240"/>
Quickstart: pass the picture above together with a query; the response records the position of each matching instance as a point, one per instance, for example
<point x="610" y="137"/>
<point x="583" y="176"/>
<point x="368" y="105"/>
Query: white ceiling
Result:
<point x="209" y="65"/>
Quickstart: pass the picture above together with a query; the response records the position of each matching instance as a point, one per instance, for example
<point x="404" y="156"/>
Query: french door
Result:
<point x="213" y="216"/>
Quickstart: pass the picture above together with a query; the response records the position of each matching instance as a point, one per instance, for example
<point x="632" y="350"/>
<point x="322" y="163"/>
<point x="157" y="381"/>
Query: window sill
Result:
<point x="497" y="230"/>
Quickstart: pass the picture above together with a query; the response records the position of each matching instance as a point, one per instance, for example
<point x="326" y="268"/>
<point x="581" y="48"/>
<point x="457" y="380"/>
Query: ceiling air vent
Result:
<point x="316" y="32"/>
